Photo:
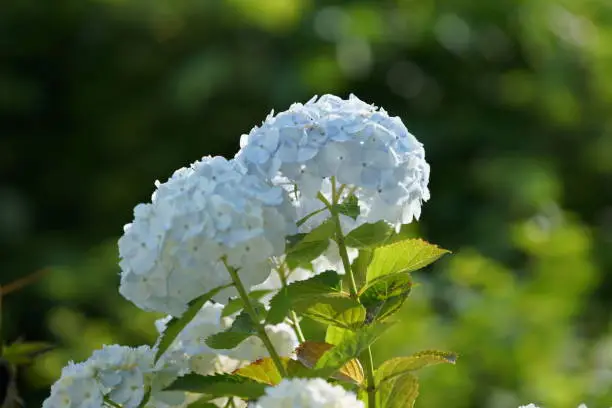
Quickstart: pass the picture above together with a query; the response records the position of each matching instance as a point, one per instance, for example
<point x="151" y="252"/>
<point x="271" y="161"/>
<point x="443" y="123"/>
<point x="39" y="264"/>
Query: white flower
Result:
<point x="116" y="372"/>
<point x="76" y="387"/>
<point x="121" y="371"/>
<point x="283" y="339"/>
<point x="190" y="351"/>
<point x="361" y="146"/>
<point x="307" y="393"/>
<point x="172" y="252"/>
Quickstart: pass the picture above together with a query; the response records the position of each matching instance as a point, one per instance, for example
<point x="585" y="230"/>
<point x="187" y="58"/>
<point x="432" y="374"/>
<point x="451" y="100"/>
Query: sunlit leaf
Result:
<point x="370" y="235"/>
<point x="335" y="335"/>
<point x="402" y="257"/>
<point x="385" y="296"/>
<point x="351" y="347"/>
<point x="360" y="266"/>
<point x="349" y="316"/>
<point x="400" y="392"/>
<point x="310" y="352"/>
<point x="399" y="366"/>
<point x="263" y="370"/>
<point x="322" y="288"/>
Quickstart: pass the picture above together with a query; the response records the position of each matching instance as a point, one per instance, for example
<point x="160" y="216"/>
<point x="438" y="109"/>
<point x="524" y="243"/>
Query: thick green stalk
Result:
<point x="261" y="330"/>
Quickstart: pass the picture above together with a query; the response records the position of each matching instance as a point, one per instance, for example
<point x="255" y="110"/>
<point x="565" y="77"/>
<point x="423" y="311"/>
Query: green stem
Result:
<point x="296" y="326"/>
<point x="346" y="263"/>
<point x="368" y="361"/>
<point x="280" y="269"/>
<point x="261" y="330"/>
<point x="145" y="399"/>
<point x="302" y="220"/>
<point x="111" y="403"/>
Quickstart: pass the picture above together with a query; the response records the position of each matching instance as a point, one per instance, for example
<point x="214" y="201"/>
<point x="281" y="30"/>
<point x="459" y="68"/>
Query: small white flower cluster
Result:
<point x="172" y="252"/>
<point x="307" y="393"/>
<point x="190" y="351"/>
<point x="359" y="145"/>
<point x="122" y="373"/>
<point x="116" y="372"/>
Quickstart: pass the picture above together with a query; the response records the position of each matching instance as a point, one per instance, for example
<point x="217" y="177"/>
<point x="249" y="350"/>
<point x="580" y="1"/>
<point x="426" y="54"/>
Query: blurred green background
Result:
<point x="512" y="99"/>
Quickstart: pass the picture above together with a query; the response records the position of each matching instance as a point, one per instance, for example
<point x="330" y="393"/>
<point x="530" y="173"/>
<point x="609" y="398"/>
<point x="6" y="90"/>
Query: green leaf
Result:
<point x="360" y="266"/>
<point x="351" y="347"/>
<point x="219" y="385"/>
<point x="263" y="371"/>
<point x="335" y="335"/>
<point x="350" y="315"/>
<point x="235" y="305"/>
<point x="370" y="235"/>
<point x="385" y="296"/>
<point x="295" y="369"/>
<point x="242" y="328"/>
<point x="349" y="207"/>
<point x="399" y="366"/>
<point x="310" y="352"/>
<point x="24" y="353"/>
<point x="324" y="287"/>
<point x="176" y="325"/>
<point x="402" y="257"/>
<point x="400" y="392"/>
<point x="310" y="246"/>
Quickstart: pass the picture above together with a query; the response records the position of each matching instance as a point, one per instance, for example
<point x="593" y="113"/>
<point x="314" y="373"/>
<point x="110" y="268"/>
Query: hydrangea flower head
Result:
<point x="116" y="372"/>
<point x="307" y="393"/>
<point x="173" y="251"/>
<point x="357" y="144"/>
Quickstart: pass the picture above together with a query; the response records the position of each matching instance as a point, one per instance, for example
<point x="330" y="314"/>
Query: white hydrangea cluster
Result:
<point x="190" y="351"/>
<point x="190" y="354"/>
<point x="122" y="374"/>
<point x="171" y="253"/>
<point x="307" y="393"/>
<point x="116" y="372"/>
<point x="361" y="146"/>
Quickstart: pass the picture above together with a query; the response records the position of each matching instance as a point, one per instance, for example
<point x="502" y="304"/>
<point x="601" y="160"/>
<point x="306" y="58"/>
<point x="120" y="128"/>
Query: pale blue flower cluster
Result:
<point x="173" y="251"/>
<point x="115" y="372"/>
<point x="354" y="143"/>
